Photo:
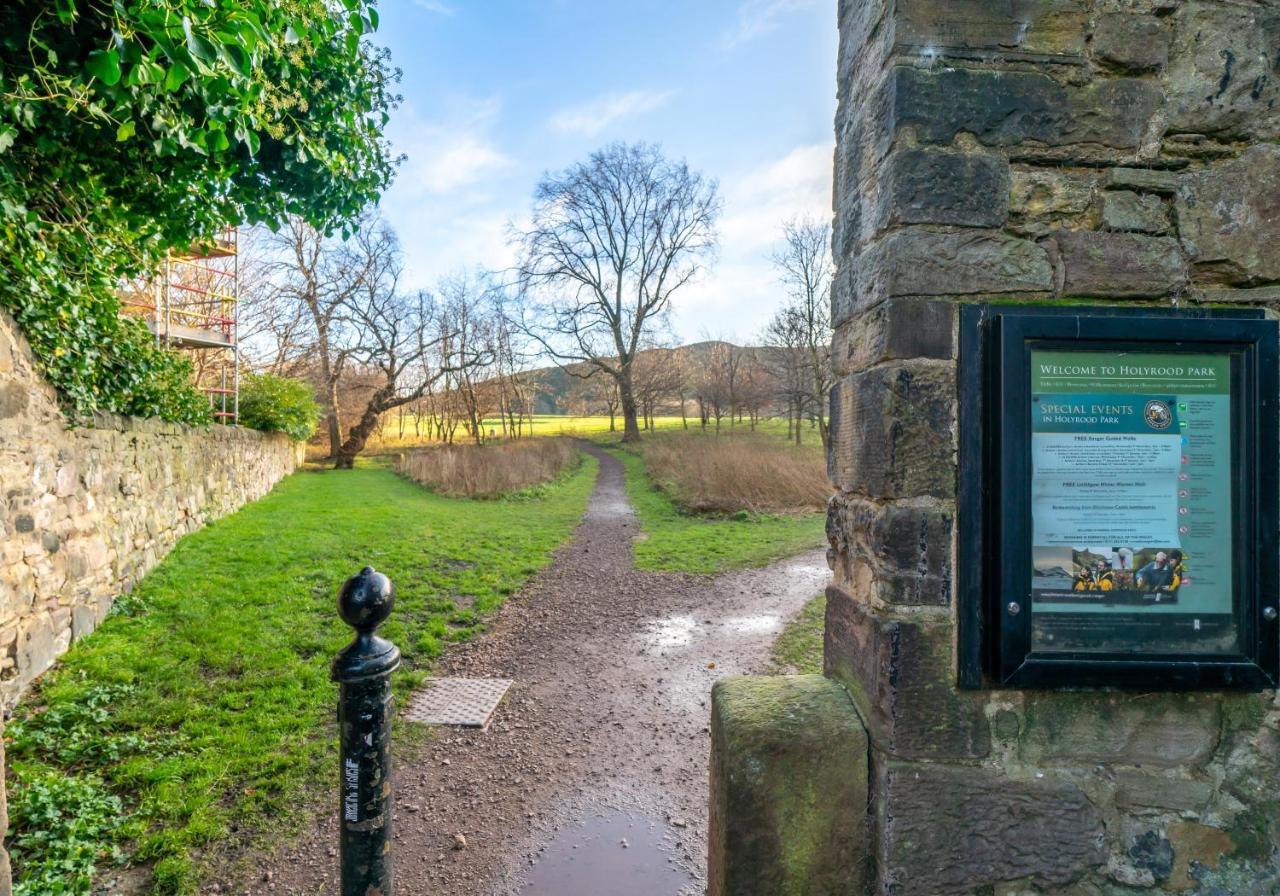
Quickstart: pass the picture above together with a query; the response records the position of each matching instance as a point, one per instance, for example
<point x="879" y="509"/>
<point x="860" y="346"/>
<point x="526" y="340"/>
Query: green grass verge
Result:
<point x="682" y="542"/>
<point x="799" y="647"/>
<point x="201" y="711"/>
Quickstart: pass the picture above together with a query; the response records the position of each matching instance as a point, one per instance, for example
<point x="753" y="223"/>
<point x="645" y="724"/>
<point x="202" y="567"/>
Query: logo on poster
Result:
<point x="1157" y="414"/>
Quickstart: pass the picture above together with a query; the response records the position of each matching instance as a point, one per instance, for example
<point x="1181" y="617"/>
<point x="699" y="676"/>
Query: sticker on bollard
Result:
<point x="363" y="672"/>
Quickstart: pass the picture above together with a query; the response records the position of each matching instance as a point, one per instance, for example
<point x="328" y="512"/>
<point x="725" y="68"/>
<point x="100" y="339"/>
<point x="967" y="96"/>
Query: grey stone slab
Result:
<point x="1135" y="43"/>
<point x="899" y="670"/>
<point x="1120" y="265"/>
<point x="464" y="702"/>
<point x="1005" y="108"/>
<point x="1049" y="27"/>
<point x="1147" y="180"/>
<point x="1221" y="78"/>
<point x="891" y="429"/>
<point x="1229" y="216"/>
<point x="950" y="830"/>
<point x="788" y="788"/>
<point x="1125" y="210"/>
<point x="930" y="186"/>
<point x="914" y="261"/>
<point x="1159" y="730"/>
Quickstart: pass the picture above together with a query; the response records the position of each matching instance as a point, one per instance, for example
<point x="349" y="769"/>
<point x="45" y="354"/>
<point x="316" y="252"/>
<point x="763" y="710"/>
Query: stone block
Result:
<point x="1043" y="199"/>
<point x="895" y="330"/>
<point x="788" y="789"/>
<point x="1150" y="730"/>
<point x="1124" y="210"/>
<point x="1132" y="42"/>
<point x="905" y="549"/>
<point x="14" y="399"/>
<point x="891" y="430"/>
<point x="1138" y="790"/>
<point x="947" y="830"/>
<point x="1005" y="108"/>
<point x="1229" y="217"/>
<point x="1044" y="27"/>
<point x="1143" y="180"/>
<point x="900" y="673"/>
<point x="1221" y="78"/>
<point x="1119" y="265"/>
<point x="1262" y="295"/>
<point x="917" y="262"/>
<point x="932" y="186"/>
<point x="37" y="645"/>
<point x="84" y="619"/>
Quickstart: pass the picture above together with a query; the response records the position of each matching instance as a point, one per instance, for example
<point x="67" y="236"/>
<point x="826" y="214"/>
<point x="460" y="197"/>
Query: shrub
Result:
<point x="62" y="823"/>
<point x="278" y="404"/>
<point x="486" y="471"/>
<point x="755" y="473"/>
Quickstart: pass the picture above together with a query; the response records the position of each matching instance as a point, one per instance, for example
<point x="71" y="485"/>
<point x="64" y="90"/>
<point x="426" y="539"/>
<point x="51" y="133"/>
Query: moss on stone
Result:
<point x="789" y="788"/>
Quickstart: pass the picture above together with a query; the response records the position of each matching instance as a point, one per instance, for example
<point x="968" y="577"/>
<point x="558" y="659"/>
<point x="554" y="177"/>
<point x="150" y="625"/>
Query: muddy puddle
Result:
<point x="615" y="853"/>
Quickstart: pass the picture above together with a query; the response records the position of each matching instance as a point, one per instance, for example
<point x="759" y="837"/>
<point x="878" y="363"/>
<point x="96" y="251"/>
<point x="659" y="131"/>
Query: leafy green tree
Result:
<point x="129" y="127"/>
<point x="278" y="404"/>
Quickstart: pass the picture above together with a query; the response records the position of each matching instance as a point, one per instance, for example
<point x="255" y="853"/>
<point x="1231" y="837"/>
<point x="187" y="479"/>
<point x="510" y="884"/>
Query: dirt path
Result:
<point x="593" y="776"/>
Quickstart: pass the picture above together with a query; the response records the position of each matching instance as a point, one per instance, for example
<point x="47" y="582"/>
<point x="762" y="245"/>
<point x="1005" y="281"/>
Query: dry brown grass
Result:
<point x="730" y="473"/>
<point x="485" y="471"/>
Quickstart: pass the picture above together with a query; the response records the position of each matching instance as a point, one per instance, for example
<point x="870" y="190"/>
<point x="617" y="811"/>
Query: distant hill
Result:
<point x="556" y="385"/>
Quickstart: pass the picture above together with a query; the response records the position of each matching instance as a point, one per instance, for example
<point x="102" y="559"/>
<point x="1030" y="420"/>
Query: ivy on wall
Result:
<point x="129" y="127"/>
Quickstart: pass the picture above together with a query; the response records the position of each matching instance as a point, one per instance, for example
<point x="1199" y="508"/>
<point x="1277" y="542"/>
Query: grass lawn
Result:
<point x="683" y="542"/>
<point x="201" y="711"/>
<point x="799" y="647"/>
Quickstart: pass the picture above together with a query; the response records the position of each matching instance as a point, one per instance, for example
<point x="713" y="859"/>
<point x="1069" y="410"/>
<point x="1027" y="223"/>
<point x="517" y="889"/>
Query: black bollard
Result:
<point x="363" y="672"/>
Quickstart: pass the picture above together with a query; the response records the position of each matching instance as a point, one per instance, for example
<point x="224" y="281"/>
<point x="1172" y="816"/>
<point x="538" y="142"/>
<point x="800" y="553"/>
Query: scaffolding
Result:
<point x="191" y="304"/>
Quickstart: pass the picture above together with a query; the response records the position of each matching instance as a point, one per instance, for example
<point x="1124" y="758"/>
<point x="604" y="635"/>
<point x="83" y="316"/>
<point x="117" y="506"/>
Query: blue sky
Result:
<point x="496" y="92"/>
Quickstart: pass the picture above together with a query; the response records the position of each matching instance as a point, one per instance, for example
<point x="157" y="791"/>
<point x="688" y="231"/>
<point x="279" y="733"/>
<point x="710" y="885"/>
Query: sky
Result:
<point x="498" y="92"/>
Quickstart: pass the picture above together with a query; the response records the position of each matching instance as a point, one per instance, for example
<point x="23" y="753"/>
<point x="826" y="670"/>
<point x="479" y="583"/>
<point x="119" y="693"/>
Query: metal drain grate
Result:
<point x="466" y="702"/>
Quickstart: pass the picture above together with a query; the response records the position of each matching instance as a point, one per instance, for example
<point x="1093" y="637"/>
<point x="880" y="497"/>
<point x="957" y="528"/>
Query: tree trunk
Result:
<point x="357" y="438"/>
<point x="630" y="425"/>
<point x="335" y="425"/>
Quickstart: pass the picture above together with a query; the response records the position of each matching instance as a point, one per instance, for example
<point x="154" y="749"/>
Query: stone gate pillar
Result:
<point x="1114" y="151"/>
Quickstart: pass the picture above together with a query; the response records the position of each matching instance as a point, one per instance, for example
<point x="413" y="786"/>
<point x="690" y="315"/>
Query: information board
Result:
<point x="1119" y="498"/>
<point x="1131" y="502"/>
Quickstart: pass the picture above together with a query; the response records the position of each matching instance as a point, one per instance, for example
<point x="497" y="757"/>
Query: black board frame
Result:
<point x="993" y="500"/>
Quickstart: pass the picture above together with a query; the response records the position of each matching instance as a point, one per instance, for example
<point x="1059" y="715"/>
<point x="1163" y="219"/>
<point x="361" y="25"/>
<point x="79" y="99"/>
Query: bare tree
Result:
<point x="612" y="239"/>
<point x="307" y="280"/>
<point x="656" y="379"/>
<point x="804" y="262"/>
<point x="399" y="338"/>
<point x="785" y="335"/>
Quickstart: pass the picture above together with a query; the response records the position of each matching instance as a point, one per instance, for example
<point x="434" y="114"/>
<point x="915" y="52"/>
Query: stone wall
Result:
<point x="1041" y="151"/>
<point x="85" y="511"/>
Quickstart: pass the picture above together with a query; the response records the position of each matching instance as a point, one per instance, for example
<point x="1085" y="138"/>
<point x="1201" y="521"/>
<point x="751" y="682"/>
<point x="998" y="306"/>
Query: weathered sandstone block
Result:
<point x="788" y="789"/>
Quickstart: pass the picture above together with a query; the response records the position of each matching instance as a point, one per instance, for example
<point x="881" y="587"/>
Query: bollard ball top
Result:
<point x="365" y="601"/>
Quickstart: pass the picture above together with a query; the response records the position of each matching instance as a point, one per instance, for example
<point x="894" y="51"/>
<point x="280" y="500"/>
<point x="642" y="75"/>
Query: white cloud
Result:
<point x="589" y="119"/>
<point x="759" y="17"/>
<point x="739" y="295"/>
<point x="460" y="161"/>
<point x="759" y="201"/>
<point x="435" y="6"/>
<point x="449" y="155"/>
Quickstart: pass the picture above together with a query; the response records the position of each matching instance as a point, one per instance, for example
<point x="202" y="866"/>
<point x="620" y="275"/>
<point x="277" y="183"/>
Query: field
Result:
<point x="542" y="425"/>
<point x="199" y="714"/>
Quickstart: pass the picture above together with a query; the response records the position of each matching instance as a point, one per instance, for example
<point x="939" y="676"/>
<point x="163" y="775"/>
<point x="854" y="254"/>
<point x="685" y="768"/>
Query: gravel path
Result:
<point x="593" y="776"/>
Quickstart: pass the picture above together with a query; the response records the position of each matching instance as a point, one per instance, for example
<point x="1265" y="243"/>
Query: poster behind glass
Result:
<point x="1131" y="503"/>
